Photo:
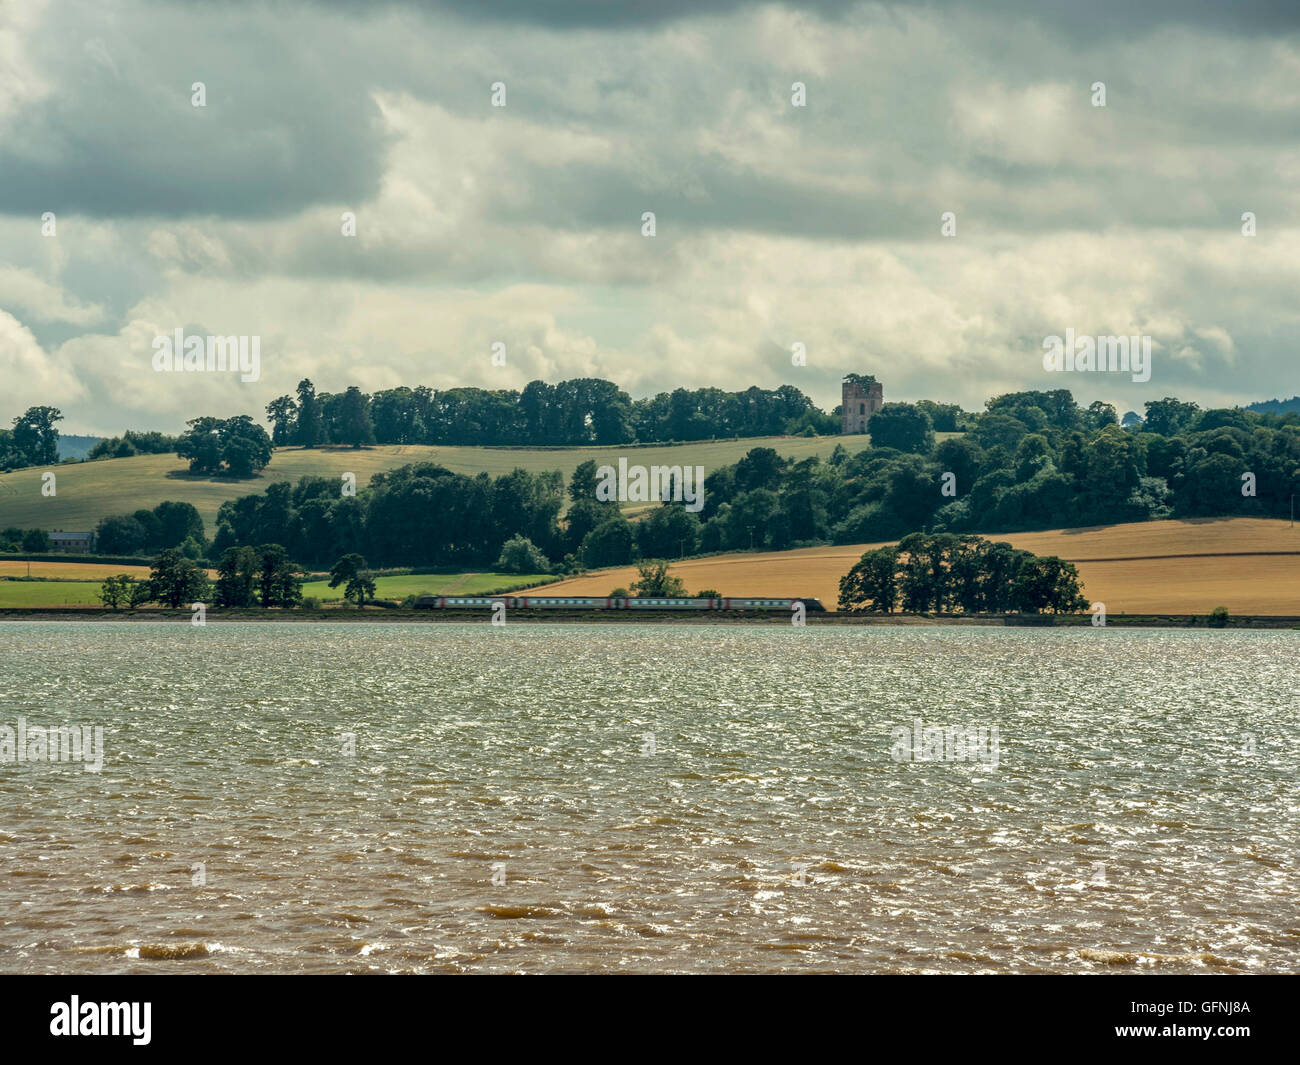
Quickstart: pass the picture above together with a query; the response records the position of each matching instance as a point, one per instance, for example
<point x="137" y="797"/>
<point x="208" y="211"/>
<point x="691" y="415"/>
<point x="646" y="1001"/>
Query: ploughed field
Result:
<point x="1249" y="565"/>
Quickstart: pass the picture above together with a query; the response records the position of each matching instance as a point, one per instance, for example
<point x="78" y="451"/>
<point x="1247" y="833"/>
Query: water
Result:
<point x="1126" y="826"/>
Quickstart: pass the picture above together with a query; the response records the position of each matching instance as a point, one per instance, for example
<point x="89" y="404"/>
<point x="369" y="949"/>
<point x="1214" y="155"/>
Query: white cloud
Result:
<point x="31" y="377"/>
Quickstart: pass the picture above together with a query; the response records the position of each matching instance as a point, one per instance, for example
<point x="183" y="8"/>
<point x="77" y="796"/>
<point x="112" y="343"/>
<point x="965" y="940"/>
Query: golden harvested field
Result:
<point x="70" y="570"/>
<point x="1226" y="567"/>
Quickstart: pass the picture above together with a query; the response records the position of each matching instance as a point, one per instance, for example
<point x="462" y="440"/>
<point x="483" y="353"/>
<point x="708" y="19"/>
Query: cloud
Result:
<point x="522" y="224"/>
<point x="31" y="377"/>
<point x="121" y="137"/>
<point x="40" y="299"/>
<point x="1254" y="17"/>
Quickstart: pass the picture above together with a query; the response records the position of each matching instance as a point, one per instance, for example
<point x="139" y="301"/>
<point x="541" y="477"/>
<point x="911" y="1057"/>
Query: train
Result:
<point x="577" y="602"/>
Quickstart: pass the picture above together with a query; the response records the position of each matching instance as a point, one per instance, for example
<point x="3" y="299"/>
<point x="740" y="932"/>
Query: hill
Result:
<point x="76" y="447"/>
<point x="1276" y="406"/>
<point x="88" y="491"/>
<point x="1249" y="565"/>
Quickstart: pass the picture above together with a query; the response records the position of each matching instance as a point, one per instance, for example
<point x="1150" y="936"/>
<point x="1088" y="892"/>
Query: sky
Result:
<point x="522" y="224"/>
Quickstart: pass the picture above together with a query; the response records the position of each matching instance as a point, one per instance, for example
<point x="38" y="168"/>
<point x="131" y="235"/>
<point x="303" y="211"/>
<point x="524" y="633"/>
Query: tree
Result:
<point x="940" y="571"/>
<point x="36" y="541"/>
<point x="245" y="447"/>
<point x="1168" y="416"/>
<point x="655" y="582"/>
<point x="761" y="467"/>
<point x="583" y="516"/>
<point x="582" y="485"/>
<point x="902" y="427"/>
<point x="1033" y="453"/>
<point x="1046" y="583"/>
<point x="668" y="532"/>
<point x="177" y="522"/>
<point x="131" y="443"/>
<point x="355" y="427"/>
<point x="124" y="590"/>
<point x="237" y="446"/>
<point x="997" y="430"/>
<point x="750" y="518"/>
<point x="1112" y="470"/>
<point x="872" y="583"/>
<point x="609" y="544"/>
<point x="35" y="436"/>
<point x="283" y="412"/>
<point x="119" y="534"/>
<point x="176" y="580"/>
<point x="943" y="416"/>
<point x="201" y="445"/>
<point x="113" y="592"/>
<point x="1101" y="414"/>
<point x="351" y="572"/>
<point x="238" y="574"/>
<point x="280" y="580"/>
<point x="521" y="555"/>
<point x="924" y="575"/>
<point x="307" y="428"/>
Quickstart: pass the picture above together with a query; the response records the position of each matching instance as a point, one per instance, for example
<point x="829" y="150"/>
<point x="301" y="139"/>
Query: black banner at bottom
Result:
<point x="1224" y="1014"/>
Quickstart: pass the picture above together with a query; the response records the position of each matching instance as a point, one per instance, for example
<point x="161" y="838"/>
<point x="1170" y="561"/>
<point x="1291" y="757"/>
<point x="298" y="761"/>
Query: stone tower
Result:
<point x="861" y="396"/>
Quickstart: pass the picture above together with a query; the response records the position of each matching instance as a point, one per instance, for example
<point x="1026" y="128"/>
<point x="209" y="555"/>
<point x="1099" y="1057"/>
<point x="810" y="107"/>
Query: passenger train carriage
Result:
<point x="558" y="602"/>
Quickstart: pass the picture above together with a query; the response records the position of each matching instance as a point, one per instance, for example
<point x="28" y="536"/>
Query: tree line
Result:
<point x="571" y="413"/>
<point x="949" y="573"/>
<point x="263" y="576"/>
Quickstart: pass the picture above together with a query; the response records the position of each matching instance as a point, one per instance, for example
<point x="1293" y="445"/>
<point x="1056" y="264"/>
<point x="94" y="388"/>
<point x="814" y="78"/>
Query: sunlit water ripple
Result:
<point x="1127" y="826"/>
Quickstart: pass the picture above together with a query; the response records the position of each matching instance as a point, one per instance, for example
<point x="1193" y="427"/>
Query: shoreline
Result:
<point x="406" y="617"/>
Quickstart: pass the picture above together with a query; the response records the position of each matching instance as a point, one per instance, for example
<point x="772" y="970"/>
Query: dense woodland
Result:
<point x="572" y="413"/>
<point x="1031" y="460"/>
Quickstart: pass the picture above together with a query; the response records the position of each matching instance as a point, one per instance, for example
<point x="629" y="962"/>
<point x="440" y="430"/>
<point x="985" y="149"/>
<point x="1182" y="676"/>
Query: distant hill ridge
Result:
<point x="76" y="447"/>
<point x="1276" y="406"/>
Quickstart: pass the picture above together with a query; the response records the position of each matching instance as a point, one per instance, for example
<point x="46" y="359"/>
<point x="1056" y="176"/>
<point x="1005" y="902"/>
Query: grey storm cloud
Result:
<point x="1093" y="18"/>
<point x="118" y="136"/>
<point x="522" y="223"/>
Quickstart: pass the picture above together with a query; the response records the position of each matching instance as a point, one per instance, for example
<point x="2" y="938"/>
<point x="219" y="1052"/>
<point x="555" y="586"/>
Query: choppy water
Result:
<point x="771" y="764"/>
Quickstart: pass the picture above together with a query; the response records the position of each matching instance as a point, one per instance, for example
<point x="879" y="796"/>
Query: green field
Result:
<point x="82" y="593"/>
<point x="431" y="584"/>
<point x="88" y="491"/>
<point x="49" y="593"/>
